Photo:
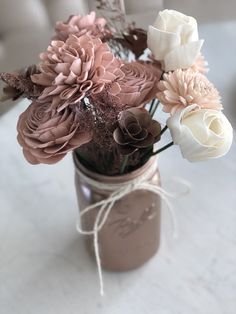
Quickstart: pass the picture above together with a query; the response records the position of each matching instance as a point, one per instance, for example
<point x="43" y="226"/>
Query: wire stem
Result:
<point x="163" y="148"/>
<point x="156" y="104"/>
<point x="151" y="106"/>
<point x="163" y="130"/>
<point x="124" y="164"/>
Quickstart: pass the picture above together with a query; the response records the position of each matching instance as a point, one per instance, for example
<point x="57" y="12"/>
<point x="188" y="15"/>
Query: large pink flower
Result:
<point x="46" y="136"/>
<point x="74" y="69"/>
<point x="139" y="84"/>
<point x="80" y="25"/>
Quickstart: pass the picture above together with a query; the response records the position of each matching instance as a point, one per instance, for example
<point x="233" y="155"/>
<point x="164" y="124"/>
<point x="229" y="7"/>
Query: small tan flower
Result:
<point x="80" y="25"/>
<point x="135" y="130"/>
<point x="182" y="88"/>
<point x="46" y="136"/>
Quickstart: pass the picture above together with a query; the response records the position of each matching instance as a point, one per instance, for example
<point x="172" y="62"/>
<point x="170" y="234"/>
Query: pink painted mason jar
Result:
<point x="131" y="233"/>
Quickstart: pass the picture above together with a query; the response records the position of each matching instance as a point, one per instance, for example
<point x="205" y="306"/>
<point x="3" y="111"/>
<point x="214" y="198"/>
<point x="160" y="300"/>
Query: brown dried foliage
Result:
<point x="19" y="84"/>
<point x="134" y="39"/>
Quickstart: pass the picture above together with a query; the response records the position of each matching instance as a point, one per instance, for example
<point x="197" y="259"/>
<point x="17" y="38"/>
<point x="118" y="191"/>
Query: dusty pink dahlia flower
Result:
<point x="182" y="88"/>
<point x="74" y="69"/>
<point x="80" y="25"/>
<point x="46" y="136"/>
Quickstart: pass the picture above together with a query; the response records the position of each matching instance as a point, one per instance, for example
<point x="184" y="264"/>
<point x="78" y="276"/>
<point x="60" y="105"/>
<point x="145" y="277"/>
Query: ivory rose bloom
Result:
<point x="201" y="133"/>
<point x="173" y="40"/>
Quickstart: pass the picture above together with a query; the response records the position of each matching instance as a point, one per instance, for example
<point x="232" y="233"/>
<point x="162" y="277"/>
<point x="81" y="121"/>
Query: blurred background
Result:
<point x="26" y="27"/>
<point x="44" y="268"/>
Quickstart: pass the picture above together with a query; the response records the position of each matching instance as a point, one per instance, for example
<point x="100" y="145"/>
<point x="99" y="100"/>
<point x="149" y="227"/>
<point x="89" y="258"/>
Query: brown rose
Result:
<point x="46" y="136"/>
<point x="135" y="130"/>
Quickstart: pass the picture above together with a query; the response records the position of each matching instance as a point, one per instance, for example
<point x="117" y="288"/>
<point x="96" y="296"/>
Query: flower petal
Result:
<point x="183" y="56"/>
<point x="161" y="42"/>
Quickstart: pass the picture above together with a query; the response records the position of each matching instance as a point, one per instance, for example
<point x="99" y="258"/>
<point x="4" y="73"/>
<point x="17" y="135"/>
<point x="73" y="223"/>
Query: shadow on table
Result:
<point x="71" y="273"/>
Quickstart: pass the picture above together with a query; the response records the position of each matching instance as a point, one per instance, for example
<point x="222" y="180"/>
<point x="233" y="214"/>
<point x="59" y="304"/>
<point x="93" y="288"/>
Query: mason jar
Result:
<point x="131" y="233"/>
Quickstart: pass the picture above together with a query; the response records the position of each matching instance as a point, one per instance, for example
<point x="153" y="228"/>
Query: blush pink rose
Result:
<point x="46" y="136"/>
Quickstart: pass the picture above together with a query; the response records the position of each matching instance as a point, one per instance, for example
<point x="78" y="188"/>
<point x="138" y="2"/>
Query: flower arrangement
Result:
<point x="96" y="92"/>
<point x="88" y="98"/>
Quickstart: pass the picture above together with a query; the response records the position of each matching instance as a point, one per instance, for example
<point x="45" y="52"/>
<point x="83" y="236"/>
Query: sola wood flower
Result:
<point x="81" y="25"/>
<point x="201" y="133"/>
<point x="46" y="136"/>
<point x="135" y="130"/>
<point x="139" y="84"/>
<point x="182" y="88"/>
<point x="173" y="39"/>
<point x="74" y="69"/>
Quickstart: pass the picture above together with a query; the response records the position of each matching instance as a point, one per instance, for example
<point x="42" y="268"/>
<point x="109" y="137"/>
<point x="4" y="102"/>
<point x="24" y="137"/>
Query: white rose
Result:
<point x="173" y="40"/>
<point x="201" y="133"/>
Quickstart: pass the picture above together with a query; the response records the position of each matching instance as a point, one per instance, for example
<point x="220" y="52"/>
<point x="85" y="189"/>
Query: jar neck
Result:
<point x="151" y="165"/>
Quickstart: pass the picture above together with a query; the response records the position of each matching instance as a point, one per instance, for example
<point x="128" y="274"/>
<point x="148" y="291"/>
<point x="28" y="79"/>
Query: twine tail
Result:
<point x="96" y="250"/>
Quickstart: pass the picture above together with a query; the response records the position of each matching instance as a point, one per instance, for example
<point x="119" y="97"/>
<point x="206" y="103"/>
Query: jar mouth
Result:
<point x="116" y="178"/>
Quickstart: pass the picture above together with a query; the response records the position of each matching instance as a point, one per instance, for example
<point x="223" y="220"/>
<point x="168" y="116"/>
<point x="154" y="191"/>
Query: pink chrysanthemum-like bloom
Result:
<point x="80" y="25"/>
<point x="74" y="69"/>
<point x="182" y="88"/>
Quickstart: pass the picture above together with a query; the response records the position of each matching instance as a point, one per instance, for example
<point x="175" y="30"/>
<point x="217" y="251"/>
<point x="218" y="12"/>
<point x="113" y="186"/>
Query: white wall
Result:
<point x="205" y="10"/>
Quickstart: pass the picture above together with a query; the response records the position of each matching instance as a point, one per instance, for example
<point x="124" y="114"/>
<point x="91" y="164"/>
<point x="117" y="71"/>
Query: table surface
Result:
<point x="44" y="266"/>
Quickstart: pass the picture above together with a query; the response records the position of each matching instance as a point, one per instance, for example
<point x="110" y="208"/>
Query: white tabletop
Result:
<point x="44" y="267"/>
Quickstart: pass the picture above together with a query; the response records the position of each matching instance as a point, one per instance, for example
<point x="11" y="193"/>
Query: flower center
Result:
<point x="216" y="126"/>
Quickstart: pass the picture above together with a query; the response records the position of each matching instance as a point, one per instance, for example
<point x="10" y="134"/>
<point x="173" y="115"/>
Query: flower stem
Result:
<point x="124" y="164"/>
<point x="163" y="148"/>
<point x="151" y="106"/>
<point x="163" y="130"/>
<point x="156" y="104"/>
